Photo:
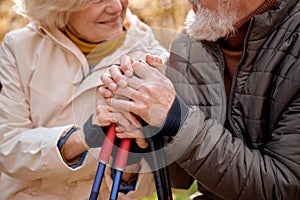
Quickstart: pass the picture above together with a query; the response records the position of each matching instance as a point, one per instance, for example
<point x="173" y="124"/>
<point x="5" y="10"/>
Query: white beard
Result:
<point x="208" y="25"/>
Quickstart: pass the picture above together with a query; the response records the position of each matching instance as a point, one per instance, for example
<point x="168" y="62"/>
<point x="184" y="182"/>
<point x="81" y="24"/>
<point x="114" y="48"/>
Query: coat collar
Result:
<point x="59" y="38"/>
<point x="261" y="25"/>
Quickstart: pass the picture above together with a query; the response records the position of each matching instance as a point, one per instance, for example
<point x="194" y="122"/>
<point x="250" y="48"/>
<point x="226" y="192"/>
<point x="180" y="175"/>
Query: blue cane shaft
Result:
<point x="116" y="185"/>
<point x="104" y="158"/>
<point x="120" y="165"/>
<point x="97" y="181"/>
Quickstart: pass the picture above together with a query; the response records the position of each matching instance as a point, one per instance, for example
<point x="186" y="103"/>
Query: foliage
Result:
<point x="178" y="194"/>
<point x="161" y="13"/>
<point x="156" y="13"/>
<point x="8" y="19"/>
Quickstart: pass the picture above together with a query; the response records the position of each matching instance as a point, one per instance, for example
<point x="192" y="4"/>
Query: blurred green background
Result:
<point x="159" y="14"/>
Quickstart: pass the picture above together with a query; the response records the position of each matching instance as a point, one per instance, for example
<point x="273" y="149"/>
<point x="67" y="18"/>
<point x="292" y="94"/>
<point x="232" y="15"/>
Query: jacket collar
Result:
<point x="59" y="38"/>
<point x="267" y="22"/>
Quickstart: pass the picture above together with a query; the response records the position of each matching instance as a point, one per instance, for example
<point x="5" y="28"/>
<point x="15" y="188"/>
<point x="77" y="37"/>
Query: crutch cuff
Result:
<point x="94" y="134"/>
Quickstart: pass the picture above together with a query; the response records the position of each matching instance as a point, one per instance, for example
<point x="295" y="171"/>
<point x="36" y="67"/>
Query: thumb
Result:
<point x="126" y="65"/>
<point x="156" y="62"/>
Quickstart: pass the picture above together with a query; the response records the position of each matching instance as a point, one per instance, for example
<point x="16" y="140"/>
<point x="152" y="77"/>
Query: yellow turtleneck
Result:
<point x="96" y="52"/>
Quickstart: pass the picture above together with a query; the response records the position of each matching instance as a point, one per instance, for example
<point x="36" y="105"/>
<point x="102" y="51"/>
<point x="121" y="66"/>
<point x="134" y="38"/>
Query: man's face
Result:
<point x="211" y="19"/>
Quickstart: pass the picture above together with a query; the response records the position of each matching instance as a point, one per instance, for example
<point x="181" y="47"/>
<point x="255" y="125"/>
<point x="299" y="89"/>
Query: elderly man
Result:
<point x="231" y="102"/>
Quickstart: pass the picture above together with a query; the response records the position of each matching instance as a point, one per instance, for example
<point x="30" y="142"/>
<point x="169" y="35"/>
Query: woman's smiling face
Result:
<point x="102" y="20"/>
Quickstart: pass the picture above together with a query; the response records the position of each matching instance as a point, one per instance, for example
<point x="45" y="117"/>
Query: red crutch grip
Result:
<point x="122" y="155"/>
<point x="108" y="144"/>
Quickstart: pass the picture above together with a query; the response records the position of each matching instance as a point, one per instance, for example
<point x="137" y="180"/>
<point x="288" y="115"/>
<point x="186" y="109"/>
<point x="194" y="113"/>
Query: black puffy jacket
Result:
<point x="260" y="157"/>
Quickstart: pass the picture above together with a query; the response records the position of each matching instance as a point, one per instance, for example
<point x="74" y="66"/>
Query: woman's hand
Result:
<point x="118" y="75"/>
<point x="105" y="115"/>
<point x="151" y="94"/>
<point x="128" y="126"/>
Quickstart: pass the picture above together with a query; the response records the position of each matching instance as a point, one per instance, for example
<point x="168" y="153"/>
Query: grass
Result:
<point x="177" y="194"/>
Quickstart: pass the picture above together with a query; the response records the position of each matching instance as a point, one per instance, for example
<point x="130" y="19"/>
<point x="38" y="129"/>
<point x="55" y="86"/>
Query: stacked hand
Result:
<point x="132" y="92"/>
<point x="151" y="94"/>
<point x="148" y="95"/>
<point x="126" y="122"/>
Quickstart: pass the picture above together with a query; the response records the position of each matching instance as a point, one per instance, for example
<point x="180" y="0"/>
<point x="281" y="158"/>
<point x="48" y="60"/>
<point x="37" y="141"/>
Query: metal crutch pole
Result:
<point x="103" y="160"/>
<point x="161" y="174"/>
<point x="120" y="164"/>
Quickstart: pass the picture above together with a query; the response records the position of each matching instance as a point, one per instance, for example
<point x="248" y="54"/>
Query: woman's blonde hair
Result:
<point x="50" y="12"/>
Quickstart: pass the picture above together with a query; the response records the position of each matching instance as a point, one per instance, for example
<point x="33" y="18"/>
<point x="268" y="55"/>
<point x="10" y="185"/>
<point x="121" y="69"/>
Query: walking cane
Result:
<point x="103" y="160"/>
<point x="120" y="165"/>
<point x="161" y="174"/>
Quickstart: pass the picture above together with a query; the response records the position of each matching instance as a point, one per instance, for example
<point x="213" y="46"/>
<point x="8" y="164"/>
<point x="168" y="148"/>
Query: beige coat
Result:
<point x="48" y="88"/>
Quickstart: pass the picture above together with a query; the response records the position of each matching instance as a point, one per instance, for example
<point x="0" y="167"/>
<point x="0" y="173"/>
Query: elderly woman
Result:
<point x="50" y="73"/>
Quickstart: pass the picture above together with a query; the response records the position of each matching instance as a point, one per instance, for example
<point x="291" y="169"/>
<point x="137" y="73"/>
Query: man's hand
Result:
<point x="115" y="77"/>
<point x="151" y="94"/>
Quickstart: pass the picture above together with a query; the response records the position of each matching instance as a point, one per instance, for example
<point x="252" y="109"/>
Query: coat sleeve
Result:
<point x="225" y="166"/>
<point x="25" y="152"/>
<point x="222" y="163"/>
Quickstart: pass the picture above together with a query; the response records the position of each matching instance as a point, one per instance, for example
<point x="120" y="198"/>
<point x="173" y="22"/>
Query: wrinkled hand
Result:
<point x="115" y="77"/>
<point x="128" y="126"/>
<point x="154" y="61"/>
<point x="105" y="115"/>
<point x="151" y="94"/>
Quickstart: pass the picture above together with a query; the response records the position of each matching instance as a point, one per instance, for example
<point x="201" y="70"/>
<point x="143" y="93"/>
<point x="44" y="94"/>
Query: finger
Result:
<point x="144" y="71"/>
<point x="105" y="93"/>
<point x="102" y="103"/>
<point x="158" y="72"/>
<point x="137" y="135"/>
<point x="133" y="119"/>
<point x="117" y="76"/>
<point x="128" y="93"/>
<point x="106" y="116"/>
<point x="120" y="129"/>
<point x="104" y="113"/>
<point x="141" y="142"/>
<point x="121" y="105"/>
<point x="156" y="62"/>
<point x="107" y="119"/>
<point x="141" y="69"/>
<point x="123" y="122"/>
<point x="108" y="81"/>
<point x="126" y="65"/>
<point x="135" y="82"/>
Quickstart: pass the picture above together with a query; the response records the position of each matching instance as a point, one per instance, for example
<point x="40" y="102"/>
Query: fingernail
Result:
<point x="122" y="83"/>
<point x="119" y="135"/>
<point x="118" y="129"/>
<point x="129" y="73"/>
<point x="150" y="57"/>
<point x="107" y="94"/>
<point x="112" y="86"/>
